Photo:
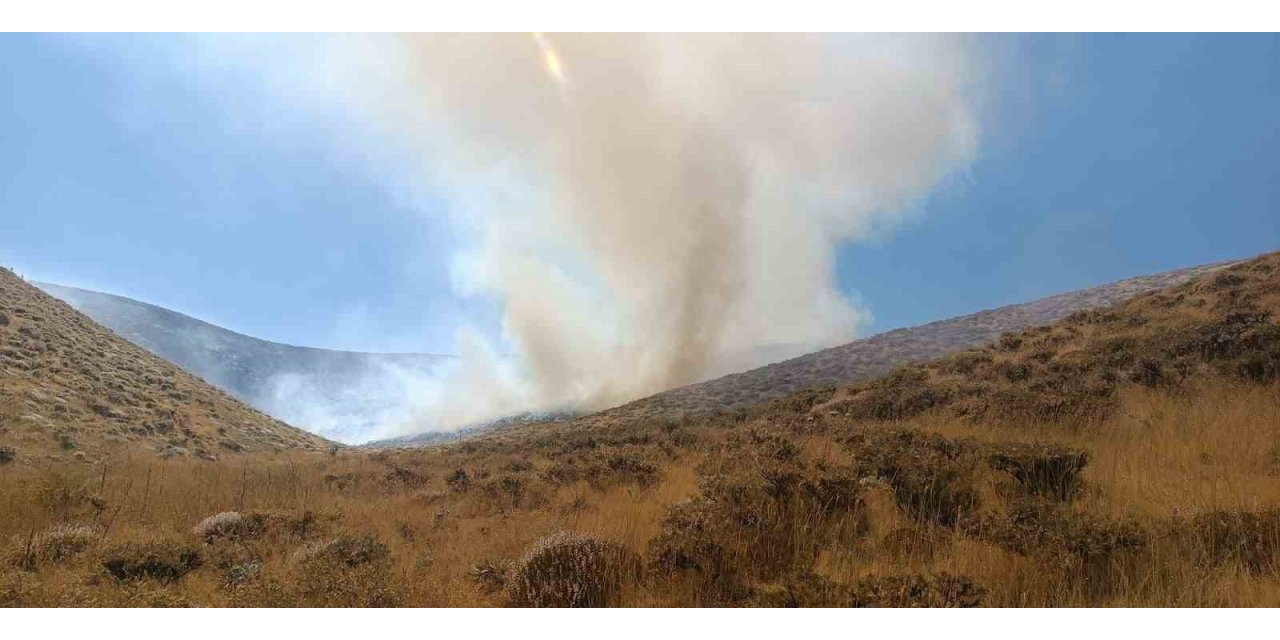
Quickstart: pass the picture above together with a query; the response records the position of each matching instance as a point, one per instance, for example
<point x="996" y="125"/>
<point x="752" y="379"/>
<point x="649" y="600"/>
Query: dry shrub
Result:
<point x="902" y="394"/>
<point x="932" y="477"/>
<point x="398" y="477"/>
<point x="688" y="548"/>
<point x="489" y="578"/>
<point x="571" y="570"/>
<point x="230" y="525"/>
<point x="1251" y="538"/>
<point x="631" y="468"/>
<point x="459" y="481"/>
<point x="910" y="590"/>
<point x="166" y="561"/>
<point x="58" y="544"/>
<point x="65" y="541"/>
<point x="350" y="551"/>
<point x="1086" y="550"/>
<point x="934" y="591"/>
<point x="347" y="571"/>
<point x="762" y="514"/>
<point x="1044" y="470"/>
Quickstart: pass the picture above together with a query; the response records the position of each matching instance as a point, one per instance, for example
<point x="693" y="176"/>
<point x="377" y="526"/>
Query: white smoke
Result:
<point x="647" y="210"/>
<point x="648" y="207"/>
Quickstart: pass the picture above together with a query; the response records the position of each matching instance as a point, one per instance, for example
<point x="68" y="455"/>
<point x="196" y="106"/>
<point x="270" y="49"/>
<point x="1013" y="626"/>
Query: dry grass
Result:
<point x="73" y="390"/>
<point x="1160" y="462"/>
<point x="1125" y="458"/>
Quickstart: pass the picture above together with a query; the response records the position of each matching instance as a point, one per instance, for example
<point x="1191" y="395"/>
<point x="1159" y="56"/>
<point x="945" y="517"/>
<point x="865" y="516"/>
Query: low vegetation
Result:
<point x="1124" y="457"/>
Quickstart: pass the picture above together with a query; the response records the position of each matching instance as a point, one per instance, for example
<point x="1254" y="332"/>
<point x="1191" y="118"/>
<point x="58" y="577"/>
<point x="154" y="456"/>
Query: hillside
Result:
<point x="865" y="358"/>
<point x="876" y="355"/>
<point x="72" y="388"/>
<point x="1122" y="456"/>
<point x="339" y="394"/>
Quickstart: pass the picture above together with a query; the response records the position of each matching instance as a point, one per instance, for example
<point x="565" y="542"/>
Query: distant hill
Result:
<point x="338" y="394"/>
<point x="72" y="388"/>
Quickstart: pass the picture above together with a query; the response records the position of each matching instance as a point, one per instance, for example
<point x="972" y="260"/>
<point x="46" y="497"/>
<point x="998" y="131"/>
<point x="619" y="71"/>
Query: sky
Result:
<point x="165" y="169"/>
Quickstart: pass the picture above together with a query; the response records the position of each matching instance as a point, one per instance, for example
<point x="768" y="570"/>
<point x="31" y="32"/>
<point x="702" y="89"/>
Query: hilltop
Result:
<point x="70" y="388"/>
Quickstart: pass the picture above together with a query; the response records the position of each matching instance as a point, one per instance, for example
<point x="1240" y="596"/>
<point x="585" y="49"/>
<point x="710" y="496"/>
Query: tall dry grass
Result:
<point x="1163" y="459"/>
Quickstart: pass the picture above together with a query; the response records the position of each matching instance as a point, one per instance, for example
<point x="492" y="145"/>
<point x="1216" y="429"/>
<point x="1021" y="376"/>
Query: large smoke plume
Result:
<point x="652" y="209"/>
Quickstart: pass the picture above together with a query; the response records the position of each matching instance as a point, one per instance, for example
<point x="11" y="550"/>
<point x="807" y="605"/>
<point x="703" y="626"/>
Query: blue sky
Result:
<point x="125" y="168"/>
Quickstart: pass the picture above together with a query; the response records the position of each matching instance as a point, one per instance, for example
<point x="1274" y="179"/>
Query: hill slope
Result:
<point x="1125" y="456"/>
<point x="69" y="386"/>
<point x="339" y="394"/>
<point x="877" y="355"/>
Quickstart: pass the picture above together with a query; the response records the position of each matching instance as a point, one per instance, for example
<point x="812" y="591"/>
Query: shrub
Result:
<point x="348" y="571"/>
<point x="1069" y="539"/>
<point x="489" y="578"/>
<point x="687" y="545"/>
<point x="803" y="590"/>
<point x="230" y="525"/>
<point x="7" y="455"/>
<point x="166" y="561"/>
<point x="65" y="541"/>
<point x="931" y="476"/>
<point x="398" y="476"/>
<point x="350" y="551"/>
<point x="570" y="570"/>
<point x="459" y="480"/>
<point x="631" y="468"/>
<point x="1041" y="469"/>
<point x="241" y="573"/>
<point x="933" y="591"/>
<point x="912" y="590"/>
<point x="1249" y="537"/>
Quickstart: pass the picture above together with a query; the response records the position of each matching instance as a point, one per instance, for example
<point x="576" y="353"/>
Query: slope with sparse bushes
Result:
<point x="71" y="389"/>
<point x="1128" y="456"/>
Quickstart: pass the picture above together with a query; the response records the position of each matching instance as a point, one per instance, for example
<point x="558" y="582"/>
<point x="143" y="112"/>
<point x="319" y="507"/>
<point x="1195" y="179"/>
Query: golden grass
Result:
<point x="1163" y="456"/>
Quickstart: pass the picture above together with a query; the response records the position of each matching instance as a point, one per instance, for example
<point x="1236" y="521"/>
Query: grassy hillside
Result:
<point x="1127" y="456"/>
<point x="340" y="394"/>
<point x="879" y="354"/>
<point x="73" y="390"/>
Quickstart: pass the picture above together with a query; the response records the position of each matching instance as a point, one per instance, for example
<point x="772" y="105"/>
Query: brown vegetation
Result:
<point x="73" y="390"/>
<point x="1125" y="457"/>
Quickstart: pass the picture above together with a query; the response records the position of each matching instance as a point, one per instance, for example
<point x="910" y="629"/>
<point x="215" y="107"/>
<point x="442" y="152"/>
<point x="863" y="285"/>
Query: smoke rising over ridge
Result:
<point x="642" y="211"/>
<point x="647" y="208"/>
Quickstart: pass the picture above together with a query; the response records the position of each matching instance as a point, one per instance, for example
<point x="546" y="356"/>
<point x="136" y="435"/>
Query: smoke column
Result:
<point x="652" y="209"/>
